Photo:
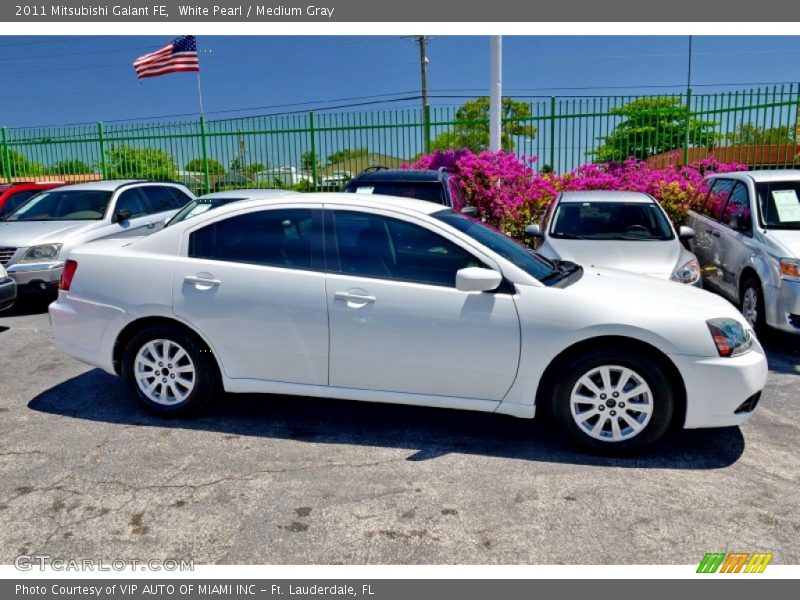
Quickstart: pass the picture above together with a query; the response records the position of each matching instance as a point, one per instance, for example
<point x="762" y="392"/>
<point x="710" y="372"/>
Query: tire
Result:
<point x="584" y="405"/>
<point x="751" y="303"/>
<point x="188" y="379"/>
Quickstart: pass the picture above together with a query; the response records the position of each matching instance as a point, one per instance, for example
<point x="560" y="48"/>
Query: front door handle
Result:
<point x="200" y="282"/>
<point x="354" y="298"/>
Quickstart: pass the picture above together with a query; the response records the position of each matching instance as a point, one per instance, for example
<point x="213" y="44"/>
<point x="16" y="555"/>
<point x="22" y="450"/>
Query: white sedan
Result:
<point x="397" y="300"/>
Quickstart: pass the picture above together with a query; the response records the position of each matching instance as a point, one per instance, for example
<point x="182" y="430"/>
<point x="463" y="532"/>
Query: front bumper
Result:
<point x="8" y="292"/>
<point x="36" y="277"/>
<point x="783" y="306"/>
<point x="717" y="387"/>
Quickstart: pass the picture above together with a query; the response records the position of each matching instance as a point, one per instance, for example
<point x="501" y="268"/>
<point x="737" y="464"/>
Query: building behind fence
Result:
<point x="320" y="151"/>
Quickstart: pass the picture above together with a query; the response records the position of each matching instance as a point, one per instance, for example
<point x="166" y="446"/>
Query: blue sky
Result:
<point x="60" y="80"/>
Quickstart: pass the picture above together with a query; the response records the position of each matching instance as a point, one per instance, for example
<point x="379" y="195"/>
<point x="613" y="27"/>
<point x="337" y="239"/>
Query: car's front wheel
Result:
<point x="613" y="400"/>
<point x="171" y="370"/>
<point x="752" y="304"/>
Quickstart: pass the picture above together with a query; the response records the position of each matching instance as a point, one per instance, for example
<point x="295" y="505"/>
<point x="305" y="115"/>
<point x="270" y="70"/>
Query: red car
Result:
<point x="14" y="195"/>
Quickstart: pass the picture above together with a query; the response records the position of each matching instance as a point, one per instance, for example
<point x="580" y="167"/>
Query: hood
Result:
<point x="788" y="238"/>
<point x="628" y="290"/>
<point x="22" y="234"/>
<point x="659" y="258"/>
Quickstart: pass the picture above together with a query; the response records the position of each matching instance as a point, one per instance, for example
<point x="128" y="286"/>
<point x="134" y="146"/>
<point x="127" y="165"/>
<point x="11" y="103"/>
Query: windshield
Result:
<point x="198" y="207"/>
<point x="779" y="205"/>
<point x="64" y="205"/>
<point x="529" y="261"/>
<point x="431" y="192"/>
<point x="633" y="221"/>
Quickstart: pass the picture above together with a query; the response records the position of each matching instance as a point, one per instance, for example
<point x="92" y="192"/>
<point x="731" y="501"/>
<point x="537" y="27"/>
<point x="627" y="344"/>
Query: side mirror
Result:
<point x="534" y="230"/>
<point x="685" y="233"/>
<point x="122" y="215"/>
<point x="477" y="279"/>
<point x="470" y="211"/>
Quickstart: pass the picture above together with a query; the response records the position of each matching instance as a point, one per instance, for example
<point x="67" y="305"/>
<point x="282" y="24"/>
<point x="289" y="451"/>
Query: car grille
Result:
<point x="6" y="254"/>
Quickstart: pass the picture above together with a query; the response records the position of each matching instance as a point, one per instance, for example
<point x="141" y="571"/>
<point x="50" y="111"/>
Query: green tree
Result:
<point x="70" y="166"/>
<point x="20" y="166"/>
<point x="307" y="160"/>
<point x="472" y="128"/>
<point x="254" y="167"/>
<point x="141" y="163"/>
<point x="347" y="154"/>
<point x="652" y="126"/>
<point x="196" y="166"/>
<point x="752" y="135"/>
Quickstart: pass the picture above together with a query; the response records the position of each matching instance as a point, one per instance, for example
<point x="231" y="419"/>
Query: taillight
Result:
<point x="67" y="274"/>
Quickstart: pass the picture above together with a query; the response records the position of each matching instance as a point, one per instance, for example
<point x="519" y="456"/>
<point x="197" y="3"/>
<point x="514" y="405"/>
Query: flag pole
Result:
<point x="200" y="94"/>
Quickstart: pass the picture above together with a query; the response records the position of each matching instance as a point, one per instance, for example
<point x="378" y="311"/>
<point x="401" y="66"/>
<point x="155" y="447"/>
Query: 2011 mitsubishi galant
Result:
<point x="396" y="300"/>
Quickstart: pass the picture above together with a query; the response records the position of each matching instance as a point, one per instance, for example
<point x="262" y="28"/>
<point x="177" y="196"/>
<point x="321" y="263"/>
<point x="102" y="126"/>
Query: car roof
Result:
<point x="762" y="175"/>
<point x="405" y="175"/>
<point x="340" y="199"/>
<point x="605" y="196"/>
<point x="111" y="185"/>
<point x="247" y="194"/>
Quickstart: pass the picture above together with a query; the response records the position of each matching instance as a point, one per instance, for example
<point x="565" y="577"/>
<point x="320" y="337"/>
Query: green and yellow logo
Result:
<point x="734" y="562"/>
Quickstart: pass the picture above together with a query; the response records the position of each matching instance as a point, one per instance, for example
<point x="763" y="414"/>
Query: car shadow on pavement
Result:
<point x="783" y="351"/>
<point x="430" y="432"/>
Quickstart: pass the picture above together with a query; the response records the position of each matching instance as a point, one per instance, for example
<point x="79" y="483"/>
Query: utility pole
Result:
<point x="423" y="72"/>
<point x="688" y="105"/>
<point x="495" y="93"/>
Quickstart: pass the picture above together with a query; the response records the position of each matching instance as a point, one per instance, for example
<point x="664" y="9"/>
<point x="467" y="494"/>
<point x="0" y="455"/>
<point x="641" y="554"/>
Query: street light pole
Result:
<point x="495" y="92"/>
<point x="423" y="71"/>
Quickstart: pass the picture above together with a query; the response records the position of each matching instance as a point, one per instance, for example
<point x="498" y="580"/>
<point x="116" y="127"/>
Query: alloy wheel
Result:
<point x="164" y="372"/>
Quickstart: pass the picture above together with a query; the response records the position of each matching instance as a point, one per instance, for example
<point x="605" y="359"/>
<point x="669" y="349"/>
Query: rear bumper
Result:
<point x="8" y="292"/>
<point x="721" y="392"/>
<point x="86" y="330"/>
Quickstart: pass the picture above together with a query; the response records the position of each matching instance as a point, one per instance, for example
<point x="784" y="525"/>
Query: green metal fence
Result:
<point x="758" y="127"/>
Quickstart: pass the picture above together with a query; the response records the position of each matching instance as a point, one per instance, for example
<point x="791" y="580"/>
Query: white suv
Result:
<point x="36" y="238"/>
<point x="747" y="239"/>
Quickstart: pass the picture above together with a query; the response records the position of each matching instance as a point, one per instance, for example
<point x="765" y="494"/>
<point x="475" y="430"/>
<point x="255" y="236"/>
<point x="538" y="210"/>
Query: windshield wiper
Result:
<point x="563" y="268"/>
<point x="567" y="236"/>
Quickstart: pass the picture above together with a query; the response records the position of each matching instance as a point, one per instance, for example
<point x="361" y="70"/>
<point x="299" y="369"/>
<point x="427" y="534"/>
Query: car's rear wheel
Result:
<point x="170" y="370"/>
<point x="752" y="304"/>
<point x="613" y="400"/>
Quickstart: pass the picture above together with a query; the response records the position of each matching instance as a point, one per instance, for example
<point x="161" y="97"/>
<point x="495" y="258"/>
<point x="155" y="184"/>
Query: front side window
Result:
<point x="277" y="238"/>
<point x="369" y="245"/>
<point x="737" y="211"/>
<point x="133" y="202"/>
<point x="529" y="261"/>
<point x="65" y="205"/>
<point x="717" y="196"/>
<point x="633" y="221"/>
<point x="779" y="203"/>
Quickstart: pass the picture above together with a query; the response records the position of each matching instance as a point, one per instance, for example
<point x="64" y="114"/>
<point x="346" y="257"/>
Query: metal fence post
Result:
<point x="313" y="149"/>
<point x="102" y="147"/>
<point x="688" y="125"/>
<point x="6" y="156"/>
<point x="553" y="133"/>
<point x="426" y="116"/>
<point x="206" y="175"/>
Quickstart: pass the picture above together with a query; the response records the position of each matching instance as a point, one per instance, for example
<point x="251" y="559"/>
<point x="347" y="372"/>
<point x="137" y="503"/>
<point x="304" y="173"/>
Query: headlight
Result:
<point x="687" y="273"/>
<point x="43" y="252"/>
<point x="790" y="269"/>
<point x="730" y="336"/>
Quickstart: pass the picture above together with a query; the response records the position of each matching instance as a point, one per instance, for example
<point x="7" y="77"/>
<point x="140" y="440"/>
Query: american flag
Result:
<point x="180" y="55"/>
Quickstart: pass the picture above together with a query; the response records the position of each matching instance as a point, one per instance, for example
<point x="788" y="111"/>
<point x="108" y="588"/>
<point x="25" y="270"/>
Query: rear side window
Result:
<point x="276" y="238"/>
<point x="715" y="201"/>
<point x="161" y="200"/>
<point x="180" y="198"/>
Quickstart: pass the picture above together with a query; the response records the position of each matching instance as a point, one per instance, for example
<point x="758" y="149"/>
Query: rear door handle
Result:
<point x="202" y="281"/>
<point x="355" y="298"/>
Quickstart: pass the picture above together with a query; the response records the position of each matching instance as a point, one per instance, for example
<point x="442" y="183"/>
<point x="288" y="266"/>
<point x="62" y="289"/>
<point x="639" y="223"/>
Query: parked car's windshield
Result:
<point x="198" y="207"/>
<point x="64" y="205"/>
<point x="432" y="192"/>
<point x="529" y="261"/>
<point x="779" y="204"/>
<point x="633" y="221"/>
